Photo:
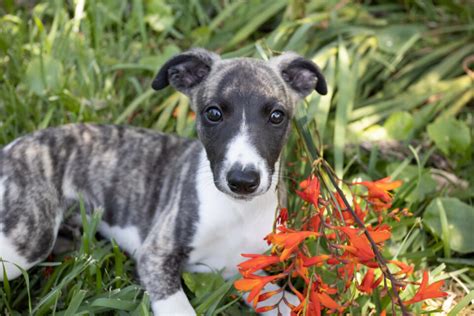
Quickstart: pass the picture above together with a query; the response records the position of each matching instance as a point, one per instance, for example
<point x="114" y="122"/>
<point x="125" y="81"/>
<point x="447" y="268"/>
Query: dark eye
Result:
<point x="213" y="114"/>
<point x="276" y="117"/>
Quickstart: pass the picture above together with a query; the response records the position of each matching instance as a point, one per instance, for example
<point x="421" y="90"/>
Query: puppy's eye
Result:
<point x="213" y="114"/>
<point x="276" y="117"/>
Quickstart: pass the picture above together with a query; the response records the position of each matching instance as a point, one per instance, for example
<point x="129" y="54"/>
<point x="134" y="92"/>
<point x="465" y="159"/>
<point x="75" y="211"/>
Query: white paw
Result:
<point x="174" y="305"/>
<point x="13" y="259"/>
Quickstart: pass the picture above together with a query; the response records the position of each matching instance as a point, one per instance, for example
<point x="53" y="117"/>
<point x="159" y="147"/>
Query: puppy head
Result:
<point x="244" y="107"/>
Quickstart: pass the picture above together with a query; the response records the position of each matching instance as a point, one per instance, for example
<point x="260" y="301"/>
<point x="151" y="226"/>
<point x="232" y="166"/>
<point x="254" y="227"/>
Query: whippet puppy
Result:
<point x="172" y="203"/>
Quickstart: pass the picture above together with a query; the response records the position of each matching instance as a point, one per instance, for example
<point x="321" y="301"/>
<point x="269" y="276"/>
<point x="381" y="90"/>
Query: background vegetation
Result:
<point x="400" y="103"/>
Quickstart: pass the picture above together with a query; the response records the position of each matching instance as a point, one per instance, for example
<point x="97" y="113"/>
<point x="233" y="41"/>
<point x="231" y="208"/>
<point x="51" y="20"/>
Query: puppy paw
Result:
<point x="173" y="305"/>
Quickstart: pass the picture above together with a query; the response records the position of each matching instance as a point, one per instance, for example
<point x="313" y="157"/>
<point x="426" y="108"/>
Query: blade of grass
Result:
<point x="210" y="304"/>
<point x="464" y="302"/>
<point x="265" y="11"/>
<point x="320" y="106"/>
<point x="75" y="303"/>
<point x="444" y="228"/>
<point x="344" y="105"/>
<point x="134" y="106"/>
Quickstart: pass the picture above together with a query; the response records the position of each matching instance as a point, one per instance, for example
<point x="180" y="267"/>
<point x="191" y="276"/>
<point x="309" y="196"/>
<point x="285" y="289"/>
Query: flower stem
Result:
<point x="380" y="259"/>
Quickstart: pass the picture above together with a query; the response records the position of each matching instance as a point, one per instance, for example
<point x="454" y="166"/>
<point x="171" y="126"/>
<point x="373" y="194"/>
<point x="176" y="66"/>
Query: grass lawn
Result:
<point x="400" y="104"/>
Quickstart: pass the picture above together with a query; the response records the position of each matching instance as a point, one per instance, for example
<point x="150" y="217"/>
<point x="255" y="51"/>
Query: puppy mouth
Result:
<point x="243" y="197"/>
<point x="240" y="196"/>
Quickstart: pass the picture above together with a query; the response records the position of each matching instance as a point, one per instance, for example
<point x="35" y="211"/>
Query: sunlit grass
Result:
<point x="93" y="61"/>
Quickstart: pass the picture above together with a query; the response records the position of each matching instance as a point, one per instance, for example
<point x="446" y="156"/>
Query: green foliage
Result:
<point x="451" y="136"/>
<point x="96" y="278"/>
<point x="44" y="74"/>
<point x="418" y="182"/>
<point x="452" y="221"/>
<point x="200" y="283"/>
<point x="394" y="70"/>
<point x="399" y="125"/>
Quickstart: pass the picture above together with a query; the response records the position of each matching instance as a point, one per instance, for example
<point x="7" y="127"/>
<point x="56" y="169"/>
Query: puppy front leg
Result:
<point x="159" y="271"/>
<point x="175" y="304"/>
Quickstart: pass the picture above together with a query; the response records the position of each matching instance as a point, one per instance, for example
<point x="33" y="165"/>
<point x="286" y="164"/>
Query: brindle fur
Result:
<point x="108" y="166"/>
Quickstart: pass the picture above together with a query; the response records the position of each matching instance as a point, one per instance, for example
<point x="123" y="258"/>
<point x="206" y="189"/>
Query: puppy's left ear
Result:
<point x="300" y="74"/>
<point x="186" y="70"/>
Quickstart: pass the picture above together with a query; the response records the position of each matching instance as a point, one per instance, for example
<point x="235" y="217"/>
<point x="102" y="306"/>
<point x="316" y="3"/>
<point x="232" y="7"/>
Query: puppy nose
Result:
<point x="243" y="182"/>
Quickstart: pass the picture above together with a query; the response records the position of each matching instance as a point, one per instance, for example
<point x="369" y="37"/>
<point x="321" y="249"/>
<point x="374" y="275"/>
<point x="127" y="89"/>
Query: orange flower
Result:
<point x="255" y="263"/>
<point x="311" y="189"/>
<point x="369" y="283"/>
<point x="255" y="285"/>
<point x="309" y="304"/>
<point x="317" y="300"/>
<point x="267" y="295"/>
<point x="380" y="233"/>
<point x="322" y="291"/>
<point x="316" y="260"/>
<point x="282" y="216"/>
<point x="339" y="202"/>
<point x="341" y="212"/>
<point x="426" y="291"/>
<point x="328" y="302"/>
<point x="289" y="240"/>
<point x="297" y="262"/>
<point x="264" y="309"/>
<point x="315" y="222"/>
<point x="347" y="272"/>
<point x="333" y="261"/>
<point x="404" y="268"/>
<point x="358" y="210"/>
<point x="395" y="214"/>
<point x="378" y="194"/>
<point x="301" y="268"/>
<point x="379" y="189"/>
<point x="324" y="288"/>
<point x="359" y="244"/>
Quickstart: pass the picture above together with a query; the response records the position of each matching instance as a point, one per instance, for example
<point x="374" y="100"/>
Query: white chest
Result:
<point x="228" y="227"/>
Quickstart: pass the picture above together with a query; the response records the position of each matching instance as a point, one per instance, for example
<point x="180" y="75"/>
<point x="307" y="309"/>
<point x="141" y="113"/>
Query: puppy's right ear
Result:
<point x="185" y="71"/>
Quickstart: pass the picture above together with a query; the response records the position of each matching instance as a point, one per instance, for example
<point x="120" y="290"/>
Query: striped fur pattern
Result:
<point x="166" y="200"/>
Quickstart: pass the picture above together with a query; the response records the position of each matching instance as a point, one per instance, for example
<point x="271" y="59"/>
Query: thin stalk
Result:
<point x="378" y="255"/>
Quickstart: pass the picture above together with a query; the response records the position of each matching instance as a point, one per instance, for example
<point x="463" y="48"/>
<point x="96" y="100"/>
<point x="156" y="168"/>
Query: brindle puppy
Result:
<point x="172" y="203"/>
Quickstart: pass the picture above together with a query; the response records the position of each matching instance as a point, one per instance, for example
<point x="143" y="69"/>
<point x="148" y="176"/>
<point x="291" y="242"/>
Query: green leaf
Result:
<point x="211" y="302"/>
<point x="117" y="304"/>
<point x="320" y="106"/>
<point x="143" y="309"/>
<point x="392" y="38"/>
<point x="44" y="74"/>
<point x="75" y="302"/>
<point x="161" y="18"/>
<point x="425" y="186"/>
<point x="466" y="300"/>
<point x="133" y="106"/>
<point x="450" y="135"/>
<point x="201" y="284"/>
<point x="421" y="180"/>
<point x="399" y="125"/>
<point x="460" y="222"/>
<point x="270" y="8"/>
<point x="346" y="90"/>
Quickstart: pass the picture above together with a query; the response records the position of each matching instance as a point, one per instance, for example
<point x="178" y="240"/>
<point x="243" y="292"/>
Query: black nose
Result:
<point x="243" y="182"/>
